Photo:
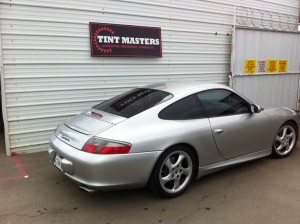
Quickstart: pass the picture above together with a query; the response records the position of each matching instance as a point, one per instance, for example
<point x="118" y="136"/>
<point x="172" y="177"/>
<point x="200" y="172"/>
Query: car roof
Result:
<point x="178" y="87"/>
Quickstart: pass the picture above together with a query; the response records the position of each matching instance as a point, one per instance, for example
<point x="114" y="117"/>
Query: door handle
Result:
<point x="218" y="131"/>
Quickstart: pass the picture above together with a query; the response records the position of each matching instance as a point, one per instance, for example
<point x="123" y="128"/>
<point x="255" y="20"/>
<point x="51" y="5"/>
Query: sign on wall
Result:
<point x="282" y="65"/>
<point x="115" y="40"/>
<point x="250" y="66"/>
<point x="262" y="66"/>
<point x="272" y="66"/>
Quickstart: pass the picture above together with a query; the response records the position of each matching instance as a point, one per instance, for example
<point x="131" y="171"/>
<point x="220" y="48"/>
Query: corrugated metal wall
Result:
<point x="265" y="45"/>
<point x="267" y="90"/>
<point x="48" y="73"/>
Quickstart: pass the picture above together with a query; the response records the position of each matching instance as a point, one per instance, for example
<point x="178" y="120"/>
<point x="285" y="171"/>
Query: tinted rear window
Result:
<point x="133" y="102"/>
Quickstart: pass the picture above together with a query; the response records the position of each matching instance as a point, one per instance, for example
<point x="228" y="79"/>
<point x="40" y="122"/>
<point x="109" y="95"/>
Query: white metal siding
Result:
<point x="50" y="76"/>
<point x="265" y="45"/>
<point x="268" y="90"/>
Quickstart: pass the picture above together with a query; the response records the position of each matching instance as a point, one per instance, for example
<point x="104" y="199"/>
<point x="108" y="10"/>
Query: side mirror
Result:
<point x="256" y="109"/>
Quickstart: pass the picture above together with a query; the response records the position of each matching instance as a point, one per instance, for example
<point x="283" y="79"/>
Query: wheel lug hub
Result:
<point x="176" y="172"/>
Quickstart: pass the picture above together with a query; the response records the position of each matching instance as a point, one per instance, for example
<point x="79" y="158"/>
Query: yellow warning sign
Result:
<point x="282" y="65"/>
<point x="272" y="66"/>
<point x="250" y="66"/>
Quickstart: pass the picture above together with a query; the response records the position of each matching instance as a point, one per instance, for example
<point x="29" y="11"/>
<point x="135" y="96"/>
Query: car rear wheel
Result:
<point x="285" y="140"/>
<point x="173" y="171"/>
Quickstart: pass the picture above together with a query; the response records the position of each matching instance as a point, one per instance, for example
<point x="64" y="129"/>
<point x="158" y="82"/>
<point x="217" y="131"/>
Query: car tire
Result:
<point x="173" y="172"/>
<point x="285" y="140"/>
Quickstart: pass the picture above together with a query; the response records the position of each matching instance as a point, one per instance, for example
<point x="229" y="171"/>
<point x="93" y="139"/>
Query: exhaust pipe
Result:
<point x="86" y="188"/>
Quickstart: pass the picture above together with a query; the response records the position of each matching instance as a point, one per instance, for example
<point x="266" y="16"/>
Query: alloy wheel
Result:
<point x="285" y="140"/>
<point x="176" y="172"/>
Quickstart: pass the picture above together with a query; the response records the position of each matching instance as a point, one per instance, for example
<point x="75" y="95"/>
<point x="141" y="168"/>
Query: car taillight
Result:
<point x="101" y="146"/>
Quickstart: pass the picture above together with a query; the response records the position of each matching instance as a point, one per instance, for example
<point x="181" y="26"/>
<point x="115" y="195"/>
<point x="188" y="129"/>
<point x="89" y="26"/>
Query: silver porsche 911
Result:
<point x="166" y="135"/>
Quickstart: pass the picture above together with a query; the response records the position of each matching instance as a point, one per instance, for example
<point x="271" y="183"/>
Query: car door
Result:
<point x="187" y="122"/>
<point x="237" y="131"/>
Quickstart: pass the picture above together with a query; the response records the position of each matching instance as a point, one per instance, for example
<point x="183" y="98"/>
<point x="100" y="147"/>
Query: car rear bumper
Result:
<point x="103" y="172"/>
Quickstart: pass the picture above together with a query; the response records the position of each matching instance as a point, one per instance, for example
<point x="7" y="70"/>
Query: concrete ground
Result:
<point x="263" y="191"/>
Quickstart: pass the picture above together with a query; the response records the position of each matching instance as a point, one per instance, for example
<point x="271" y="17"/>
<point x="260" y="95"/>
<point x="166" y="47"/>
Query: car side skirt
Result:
<point x="227" y="163"/>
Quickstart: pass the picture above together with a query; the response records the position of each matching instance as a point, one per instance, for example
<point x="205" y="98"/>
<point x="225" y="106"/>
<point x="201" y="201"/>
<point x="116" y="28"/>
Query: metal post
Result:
<point x="3" y="97"/>
<point x="232" y="51"/>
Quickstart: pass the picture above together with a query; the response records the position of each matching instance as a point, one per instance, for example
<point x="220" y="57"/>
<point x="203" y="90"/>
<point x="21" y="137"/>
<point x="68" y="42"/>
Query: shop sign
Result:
<point x="115" y="40"/>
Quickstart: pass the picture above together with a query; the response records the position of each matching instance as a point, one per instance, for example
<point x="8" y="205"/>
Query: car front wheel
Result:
<point x="285" y="140"/>
<point x="173" y="171"/>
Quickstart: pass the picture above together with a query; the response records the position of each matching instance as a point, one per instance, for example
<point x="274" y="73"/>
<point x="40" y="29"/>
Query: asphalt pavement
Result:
<point x="263" y="191"/>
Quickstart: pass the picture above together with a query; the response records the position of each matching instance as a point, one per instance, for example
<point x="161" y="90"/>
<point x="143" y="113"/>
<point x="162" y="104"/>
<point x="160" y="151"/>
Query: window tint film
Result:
<point x="187" y="108"/>
<point x="133" y="102"/>
<point x="220" y="102"/>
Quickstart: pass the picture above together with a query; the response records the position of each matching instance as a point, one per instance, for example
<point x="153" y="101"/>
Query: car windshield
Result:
<point x="133" y="102"/>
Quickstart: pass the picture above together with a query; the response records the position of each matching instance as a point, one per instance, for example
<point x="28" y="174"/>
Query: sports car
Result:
<point x="167" y="135"/>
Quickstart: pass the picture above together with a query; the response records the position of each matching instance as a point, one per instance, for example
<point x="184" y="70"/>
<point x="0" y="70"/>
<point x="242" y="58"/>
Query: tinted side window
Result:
<point x="221" y="102"/>
<point x="186" y="108"/>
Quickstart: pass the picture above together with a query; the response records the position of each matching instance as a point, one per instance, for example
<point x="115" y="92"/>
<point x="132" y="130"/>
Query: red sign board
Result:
<point x="115" y="40"/>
